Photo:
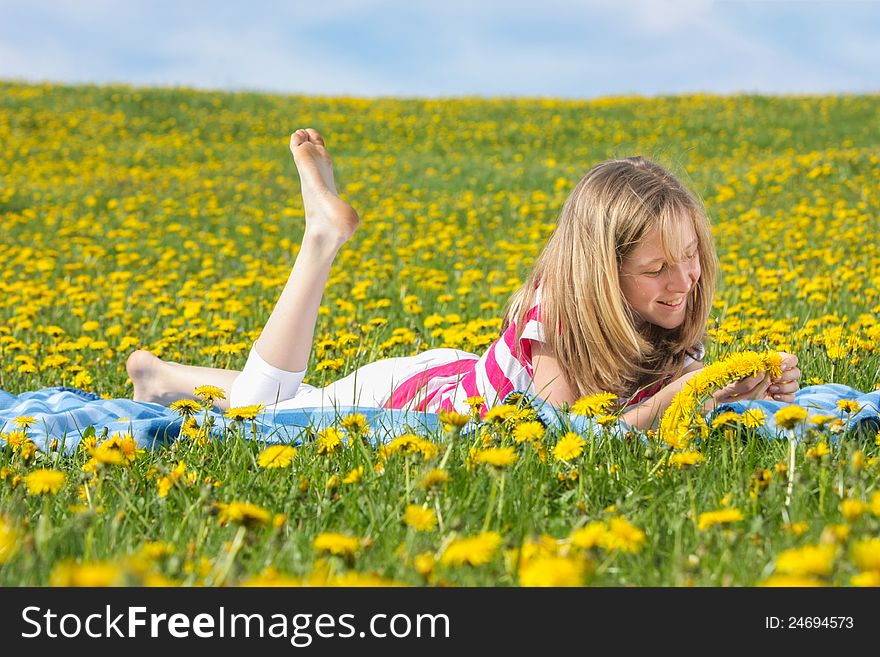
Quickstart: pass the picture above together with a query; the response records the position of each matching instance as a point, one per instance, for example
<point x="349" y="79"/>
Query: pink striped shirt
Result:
<point x="502" y="369"/>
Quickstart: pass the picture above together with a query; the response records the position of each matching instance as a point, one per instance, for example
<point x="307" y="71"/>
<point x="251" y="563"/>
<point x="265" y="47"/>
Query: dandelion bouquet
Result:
<point x="683" y="419"/>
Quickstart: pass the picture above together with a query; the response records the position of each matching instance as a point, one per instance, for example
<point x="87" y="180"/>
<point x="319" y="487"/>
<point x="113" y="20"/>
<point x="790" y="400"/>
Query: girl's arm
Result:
<point x="551" y="385"/>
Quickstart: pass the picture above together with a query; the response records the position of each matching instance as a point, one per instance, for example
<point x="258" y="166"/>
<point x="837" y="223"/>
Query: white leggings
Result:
<point x="370" y="385"/>
<point x="261" y="383"/>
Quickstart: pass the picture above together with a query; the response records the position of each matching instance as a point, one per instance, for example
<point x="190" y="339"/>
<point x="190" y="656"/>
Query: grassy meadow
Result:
<point x="169" y="219"/>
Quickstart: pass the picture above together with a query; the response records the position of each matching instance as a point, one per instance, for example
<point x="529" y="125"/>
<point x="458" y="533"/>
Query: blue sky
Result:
<point x="558" y="48"/>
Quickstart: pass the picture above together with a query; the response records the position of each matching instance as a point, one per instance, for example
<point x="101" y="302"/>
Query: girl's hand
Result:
<point x="783" y="388"/>
<point x="752" y="387"/>
<point x="760" y="386"/>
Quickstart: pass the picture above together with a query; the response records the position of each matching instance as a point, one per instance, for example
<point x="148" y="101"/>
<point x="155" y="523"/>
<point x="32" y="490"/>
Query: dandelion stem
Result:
<point x="221" y="572"/>
<point x="452" y="436"/>
<point x="489" y="507"/>
<point x="693" y="500"/>
<point x="501" y="495"/>
<point x="791" y="465"/>
<point x="439" y="514"/>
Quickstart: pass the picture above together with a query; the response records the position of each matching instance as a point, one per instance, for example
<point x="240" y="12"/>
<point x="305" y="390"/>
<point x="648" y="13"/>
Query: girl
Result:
<point x="626" y="281"/>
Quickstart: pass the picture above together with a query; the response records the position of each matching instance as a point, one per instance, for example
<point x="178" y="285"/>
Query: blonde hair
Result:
<point x="588" y="324"/>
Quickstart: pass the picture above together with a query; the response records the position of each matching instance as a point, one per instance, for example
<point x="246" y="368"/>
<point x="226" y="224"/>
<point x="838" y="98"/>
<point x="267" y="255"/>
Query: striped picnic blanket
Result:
<point x="65" y="413"/>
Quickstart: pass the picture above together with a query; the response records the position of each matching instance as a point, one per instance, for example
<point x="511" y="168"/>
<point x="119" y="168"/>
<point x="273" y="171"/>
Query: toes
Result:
<point x="315" y="136"/>
<point x="298" y="137"/>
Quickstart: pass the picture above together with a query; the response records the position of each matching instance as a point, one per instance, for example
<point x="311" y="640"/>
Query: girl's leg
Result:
<point x="286" y="340"/>
<point x="164" y="382"/>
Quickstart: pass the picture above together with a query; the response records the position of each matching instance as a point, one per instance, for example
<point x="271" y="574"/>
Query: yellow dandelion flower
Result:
<point x="15" y="439"/>
<point x="410" y="444"/>
<point x="552" y="571"/>
<point x="793" y="581"/>
<point x="869" y="578"/>
<point x="528" y="432"/>
<point x="420" y="518"/>
<point x="709" y="519"/>
<point x="335" y="543"/>
<point x="276" y="456"/>
<point x="849" y="405"/>
<point x="243" y="513"/>
<point x="27" y="449"/>
<point x="329" y="441"/>
<point x="435" y="478"/>
<point x="452" y="420"/>
<point x="424" y="563"/>
<point x="44" y="481"/>
<point x="498" y="414"/>
<point x="622" y="535"/>
<point x="594" y="405"/>
<point x="209" y="394"/>
<point x="94" y="573"/>
<point x="242" y="413"/>
<point x="590" y="535"/>
<point x="726" y="419"/>
<point x="354" y="475"/>
<point x="852" y="509"/>
<point x="753" y="418"/>
<point x="819" y="450"/>
<point x="8" y="541"/>
<point x="569" y="447"/>
<point x="474" y="550"/>
<point x="354" y="423"/>
<point x="835" y="533"/>
<point x="24" y="422"/>
<point x="476" y="404"/>
<point x="496" y="457"/>
<point x="866" y="554"/>
<point x="682" y="459"/>
<point x="807" y="560"/>
<point x="821" y="420"/>
<point x="796" y="528"/>
<point x="185" y="407"/>
<point x="164" y="485"/>
<point x="789" y="417"/>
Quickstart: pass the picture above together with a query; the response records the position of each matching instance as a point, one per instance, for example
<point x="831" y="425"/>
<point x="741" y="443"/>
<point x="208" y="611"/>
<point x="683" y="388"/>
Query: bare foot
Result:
<point x="145" y="371"/>
<point x="328" y="218"/>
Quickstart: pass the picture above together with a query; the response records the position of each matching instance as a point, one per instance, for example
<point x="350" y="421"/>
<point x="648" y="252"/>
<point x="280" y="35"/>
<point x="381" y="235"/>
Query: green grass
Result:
<point x="170" y="218"/>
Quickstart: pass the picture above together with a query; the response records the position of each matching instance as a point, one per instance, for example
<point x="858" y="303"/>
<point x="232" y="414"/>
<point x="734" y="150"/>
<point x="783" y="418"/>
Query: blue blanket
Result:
<point x="65" y="413"/>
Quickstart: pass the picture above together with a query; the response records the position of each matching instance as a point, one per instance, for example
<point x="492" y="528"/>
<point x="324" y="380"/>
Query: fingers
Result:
<point x="752" y="387"/>
<point x="783" y="392"/>
<point x="791" y="375"/>
<point x="761" y="389"/>
<point x="789" y="361"/>
<point x="746" y="387"/>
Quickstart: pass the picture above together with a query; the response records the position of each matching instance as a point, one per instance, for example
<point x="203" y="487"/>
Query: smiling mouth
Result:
<point x="672" y="305"/>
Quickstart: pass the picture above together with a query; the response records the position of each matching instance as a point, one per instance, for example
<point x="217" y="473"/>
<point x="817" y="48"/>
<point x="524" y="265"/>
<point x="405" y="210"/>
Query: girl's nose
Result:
<point x="681" y="278"/>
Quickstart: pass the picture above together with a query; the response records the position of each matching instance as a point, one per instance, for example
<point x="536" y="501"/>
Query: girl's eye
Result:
<point x="655" y="273"/>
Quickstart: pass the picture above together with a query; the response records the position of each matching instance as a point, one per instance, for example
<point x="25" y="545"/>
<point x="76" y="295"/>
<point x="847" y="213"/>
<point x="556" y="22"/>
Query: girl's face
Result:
<point x="658" y="290"/>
